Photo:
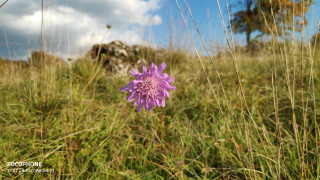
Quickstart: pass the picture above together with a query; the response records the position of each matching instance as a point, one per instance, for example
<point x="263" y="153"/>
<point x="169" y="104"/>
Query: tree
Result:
<point x="282" y="16"/>
<point x="260" y="15"/>
<point x="243" y="21"/>
<point x="315" y="40"/>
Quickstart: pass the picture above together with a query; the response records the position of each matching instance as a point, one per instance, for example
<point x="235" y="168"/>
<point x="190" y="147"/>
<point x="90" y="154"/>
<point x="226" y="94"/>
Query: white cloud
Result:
<point x="81" y="23"/>
<point x="28" y="24"/>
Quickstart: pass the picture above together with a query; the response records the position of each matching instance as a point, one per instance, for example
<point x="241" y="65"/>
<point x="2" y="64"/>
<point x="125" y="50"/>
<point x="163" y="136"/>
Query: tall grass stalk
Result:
<point x="96" y="67"/>
<point x="200" y="59"/>
<point x="316" y="126"/>
<point x="42" y="63"/>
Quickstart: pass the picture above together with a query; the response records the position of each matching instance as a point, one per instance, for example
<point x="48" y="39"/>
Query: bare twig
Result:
<point x="4" y="3"/>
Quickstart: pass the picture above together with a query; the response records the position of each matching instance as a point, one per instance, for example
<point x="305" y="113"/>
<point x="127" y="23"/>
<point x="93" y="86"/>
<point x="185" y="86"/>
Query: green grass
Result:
<point x="188" y="139"/>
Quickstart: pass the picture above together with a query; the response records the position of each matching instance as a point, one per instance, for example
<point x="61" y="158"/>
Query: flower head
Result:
<point x="150" y="87"/>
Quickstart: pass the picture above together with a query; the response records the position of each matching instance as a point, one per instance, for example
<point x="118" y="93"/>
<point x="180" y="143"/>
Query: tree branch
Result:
<point x="4" y="3"/>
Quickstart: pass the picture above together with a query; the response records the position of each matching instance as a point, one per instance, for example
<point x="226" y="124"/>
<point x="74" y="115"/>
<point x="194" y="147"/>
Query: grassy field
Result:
<point x="76" y="121"/>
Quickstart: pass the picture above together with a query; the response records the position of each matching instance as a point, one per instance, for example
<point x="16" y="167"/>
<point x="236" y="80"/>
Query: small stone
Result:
<point x="121" y="70"/>
<point x="123" y="52"/>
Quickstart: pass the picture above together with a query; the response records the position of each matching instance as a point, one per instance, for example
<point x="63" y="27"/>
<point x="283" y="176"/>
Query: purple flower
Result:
<point x="150" y="88"/>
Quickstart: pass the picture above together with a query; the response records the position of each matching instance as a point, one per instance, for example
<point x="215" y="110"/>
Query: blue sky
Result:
<point x="72" y="27"/>
<point x="200" y="9"/>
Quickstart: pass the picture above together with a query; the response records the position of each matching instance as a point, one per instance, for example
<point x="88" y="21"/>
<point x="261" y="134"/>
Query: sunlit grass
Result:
<point x="187" y="138"/>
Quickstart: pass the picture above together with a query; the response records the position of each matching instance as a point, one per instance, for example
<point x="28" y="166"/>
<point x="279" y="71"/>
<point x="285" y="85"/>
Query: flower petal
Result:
<point x="170" y="80"/>
<point x="135" y="73"/>
<point x="157" y="102"/>
<point x="136" y="81"/>
<point x="148" y="106"/>
<point x="153" y="68"/>
<point x="164" y="76"/>
<point x="132" y="96"/>
<point x="162" y="102"/>
<point x="139" y="107"/>
<point x="138" y="99"/>
<point x="161" y="67"/>
<point x="154" y="103"/>
<point x="126" y="88"/>
<point x="166" y="85"/>
<point x="166" y="93"/>
<point x="145" y="70"/>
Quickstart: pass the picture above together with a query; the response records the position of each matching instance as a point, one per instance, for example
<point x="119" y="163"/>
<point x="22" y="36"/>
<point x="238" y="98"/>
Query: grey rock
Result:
<point x="121" y="70"/>
<point x="123" y="52"/>
<point x="117" y="57"/>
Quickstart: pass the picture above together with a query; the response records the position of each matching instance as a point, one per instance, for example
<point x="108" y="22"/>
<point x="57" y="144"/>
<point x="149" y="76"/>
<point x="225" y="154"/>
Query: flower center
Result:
<point x="149" y="87"/>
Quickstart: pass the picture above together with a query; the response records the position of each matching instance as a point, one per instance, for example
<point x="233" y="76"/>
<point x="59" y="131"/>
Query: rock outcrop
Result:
<point x="118" y="57"/>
